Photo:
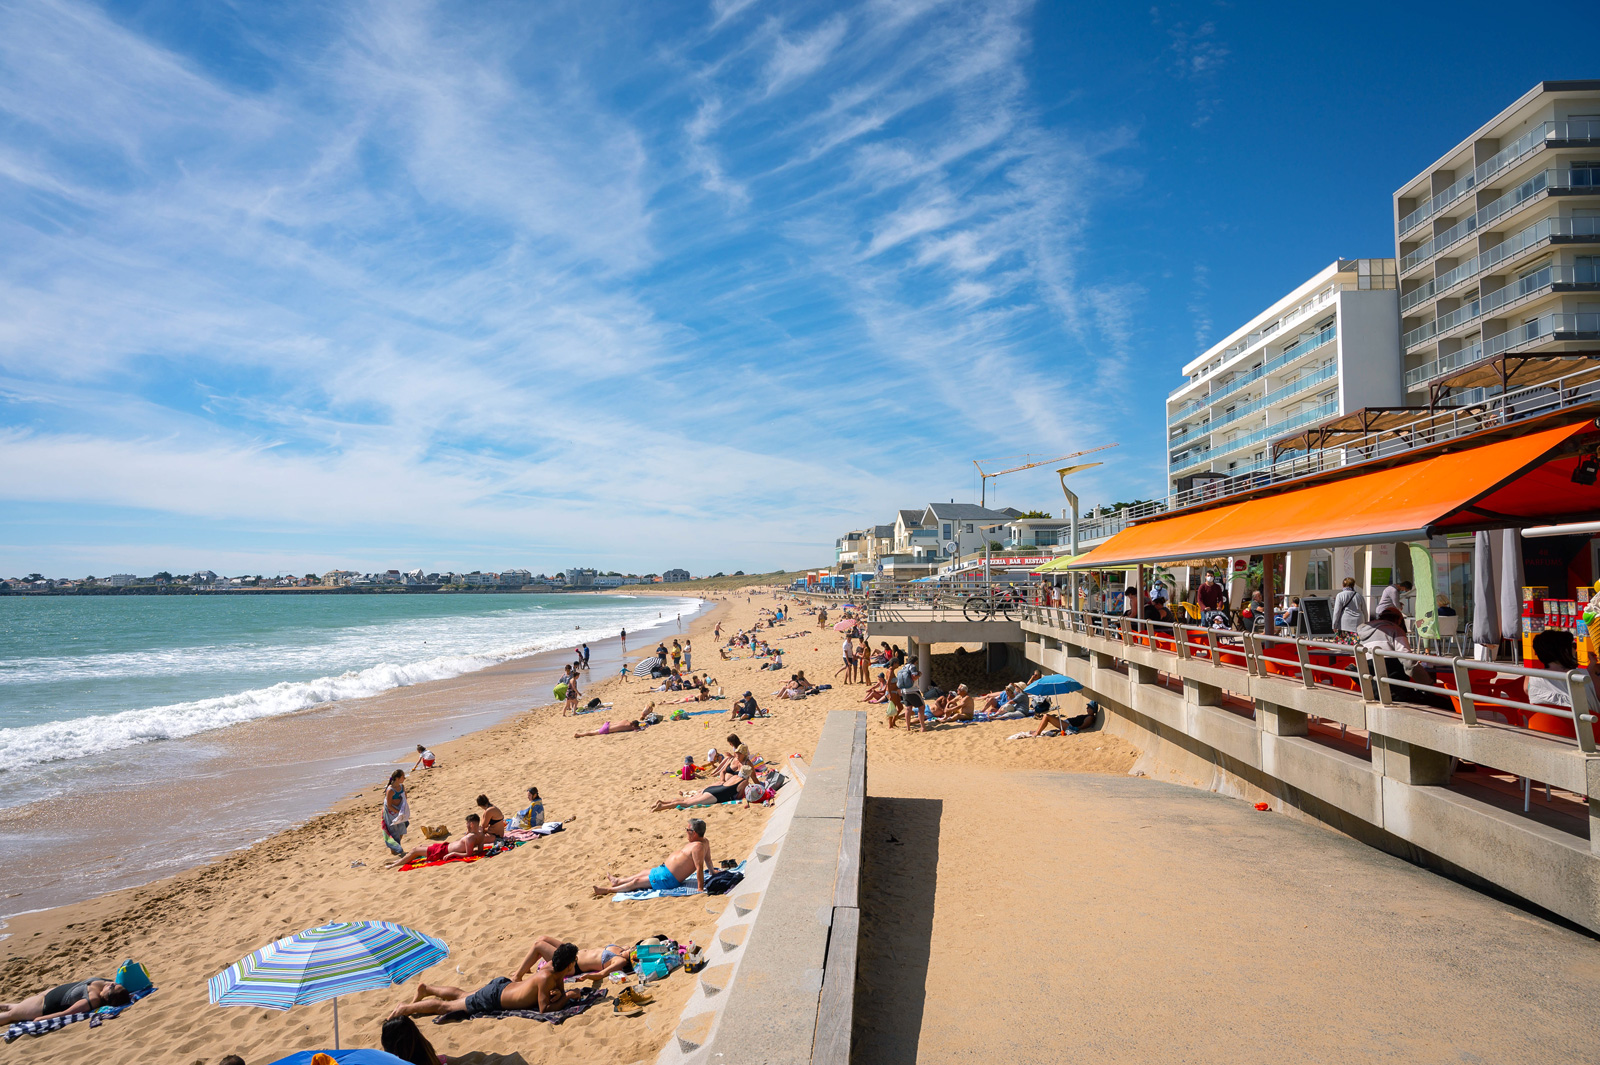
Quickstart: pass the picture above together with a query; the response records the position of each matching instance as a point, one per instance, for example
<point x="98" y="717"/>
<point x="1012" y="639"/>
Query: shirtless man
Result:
<point x="593" y="965"/>
<point x="545" y="991"/>
<point x="474" y="841"/>
<point x="957" y="705"/>
<point x="693" y="857"/>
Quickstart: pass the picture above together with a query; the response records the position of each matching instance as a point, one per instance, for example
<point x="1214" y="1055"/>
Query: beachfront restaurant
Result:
<point x="1477" y="512"/>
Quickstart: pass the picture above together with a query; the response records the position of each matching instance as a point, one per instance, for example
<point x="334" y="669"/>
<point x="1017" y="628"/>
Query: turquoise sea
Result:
<point x="81" y="677"/>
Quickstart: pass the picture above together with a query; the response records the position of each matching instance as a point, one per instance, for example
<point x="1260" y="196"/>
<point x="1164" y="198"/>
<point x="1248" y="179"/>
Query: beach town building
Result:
<point x="1498" y="241"/>
<point x="960" y="528"/>
<point x="478" y="579"/>
<point x="1329" y="346"/>
<point x="120" y="580"/>
<point x="606" y="580"/>
<point x="849" y="550"/>
<point x="515" y="578"/>
<point x="675" y="576"/>
<point x="334" y="578"/>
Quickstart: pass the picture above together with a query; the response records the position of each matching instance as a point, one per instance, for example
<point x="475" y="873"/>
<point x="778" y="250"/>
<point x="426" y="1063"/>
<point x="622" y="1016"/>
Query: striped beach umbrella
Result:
<point x="644" y="668"/>
<point x="334" y="959"/>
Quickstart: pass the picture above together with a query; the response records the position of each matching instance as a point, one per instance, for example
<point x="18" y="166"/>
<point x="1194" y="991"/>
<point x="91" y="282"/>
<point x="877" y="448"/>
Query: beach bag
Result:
<point x="654" y="959"/>
<point x="133" y="976"/>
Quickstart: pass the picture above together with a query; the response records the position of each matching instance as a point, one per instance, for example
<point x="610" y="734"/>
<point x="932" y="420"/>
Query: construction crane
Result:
<point x="983" y="490"/>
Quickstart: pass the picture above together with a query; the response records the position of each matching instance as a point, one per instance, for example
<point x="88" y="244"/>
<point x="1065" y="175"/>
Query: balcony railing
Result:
<point x="1278" y="362"/>
<point x="1500" y="297"/>
<point x="1293" y="388"/>
<point x="1536" y="234"/>
<point x="1537" y="185"/>
<point x="1580" y="132"/>
<point x="1547" y="328"/>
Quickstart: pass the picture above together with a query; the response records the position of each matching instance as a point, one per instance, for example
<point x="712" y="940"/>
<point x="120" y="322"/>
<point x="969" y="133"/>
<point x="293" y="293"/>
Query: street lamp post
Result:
<point x="1072" y="502"/>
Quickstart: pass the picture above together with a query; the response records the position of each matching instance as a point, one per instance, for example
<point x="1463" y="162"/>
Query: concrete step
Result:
<point x="693" y="1032"/>
<point x="714" y="978"/>
<point x="766" y="852"/>
<point x="732" y="937"/>
<point x="743" y="904"/>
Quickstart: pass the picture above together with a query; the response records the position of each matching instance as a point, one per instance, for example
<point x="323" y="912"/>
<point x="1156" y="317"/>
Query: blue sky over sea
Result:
<point x="292" y="286"/>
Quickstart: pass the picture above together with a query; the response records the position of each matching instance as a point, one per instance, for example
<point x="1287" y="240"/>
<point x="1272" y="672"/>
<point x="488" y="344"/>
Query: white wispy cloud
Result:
<point x="476" y="277"/>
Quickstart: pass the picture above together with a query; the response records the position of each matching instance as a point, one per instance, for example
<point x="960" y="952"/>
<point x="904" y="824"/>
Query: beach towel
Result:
<point x="672" y="893"/>
<point x="94" y="1017"/>
<point x="592" y="997"/>
<point x="499" y="848"/>
<point x="524" y="835"/>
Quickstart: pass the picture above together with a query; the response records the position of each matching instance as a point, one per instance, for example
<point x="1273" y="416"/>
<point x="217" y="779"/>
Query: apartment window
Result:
<point x="969" y="526"/>
<point x="946" y="535"/>
<point x="1586" y="269"/>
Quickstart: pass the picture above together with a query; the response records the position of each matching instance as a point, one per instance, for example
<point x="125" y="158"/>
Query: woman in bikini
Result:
<point x="609" y="729"/>
<point x="494" y="822"/>
<point x="594" y="965"/>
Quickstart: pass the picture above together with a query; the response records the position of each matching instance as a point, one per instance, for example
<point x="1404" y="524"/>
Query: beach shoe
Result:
<point x="631" y="999"/>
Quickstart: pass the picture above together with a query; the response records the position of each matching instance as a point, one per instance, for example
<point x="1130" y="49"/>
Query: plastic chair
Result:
<point x="1551" y="725"/>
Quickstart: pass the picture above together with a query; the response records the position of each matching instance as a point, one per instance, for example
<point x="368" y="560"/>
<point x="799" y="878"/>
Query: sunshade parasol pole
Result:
<point x="336" y="1024"/>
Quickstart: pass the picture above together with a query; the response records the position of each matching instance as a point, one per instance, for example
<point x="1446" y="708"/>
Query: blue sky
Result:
<point x="292" y="286"/>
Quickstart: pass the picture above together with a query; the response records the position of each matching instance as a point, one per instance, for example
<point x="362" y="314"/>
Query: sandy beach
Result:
<point x="188" y="927"/>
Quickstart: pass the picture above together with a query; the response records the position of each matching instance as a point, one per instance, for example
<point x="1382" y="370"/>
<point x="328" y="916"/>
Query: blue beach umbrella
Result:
<point x="334" y="959"/>
<point x="1055" y="684"/>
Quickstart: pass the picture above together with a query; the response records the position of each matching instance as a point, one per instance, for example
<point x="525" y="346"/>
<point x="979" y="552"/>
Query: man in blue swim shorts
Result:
<point x="693" y="857"/>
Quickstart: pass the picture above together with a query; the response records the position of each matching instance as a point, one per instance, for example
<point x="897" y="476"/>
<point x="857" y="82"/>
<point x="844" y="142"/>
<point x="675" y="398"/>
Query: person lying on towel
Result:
<point x="694" y="857"/>
<point x="82" y="996"/>
<point x="473" y="842"/>
<point x="545" y="990"/>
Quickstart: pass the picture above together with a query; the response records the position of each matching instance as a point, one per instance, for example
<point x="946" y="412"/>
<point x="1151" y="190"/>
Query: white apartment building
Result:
<point x="1498" y="242"/>
<point x="1329" y="347"/>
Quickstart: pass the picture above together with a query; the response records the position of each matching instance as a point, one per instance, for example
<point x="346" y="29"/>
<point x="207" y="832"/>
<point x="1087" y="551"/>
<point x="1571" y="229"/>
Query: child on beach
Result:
<point x="425" y="758"/>
<point x="688" y="770"/>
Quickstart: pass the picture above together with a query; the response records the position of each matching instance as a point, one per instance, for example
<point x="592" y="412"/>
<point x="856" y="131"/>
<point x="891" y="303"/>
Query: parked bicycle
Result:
<point x="988" y="607"/>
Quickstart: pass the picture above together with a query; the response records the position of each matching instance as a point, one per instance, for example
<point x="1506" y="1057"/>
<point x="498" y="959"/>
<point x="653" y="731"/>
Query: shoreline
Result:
<point x="224" y="790"/>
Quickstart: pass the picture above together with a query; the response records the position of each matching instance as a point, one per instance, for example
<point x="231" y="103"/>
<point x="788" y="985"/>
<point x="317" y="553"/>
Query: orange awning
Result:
<point x="1406" y="502"/>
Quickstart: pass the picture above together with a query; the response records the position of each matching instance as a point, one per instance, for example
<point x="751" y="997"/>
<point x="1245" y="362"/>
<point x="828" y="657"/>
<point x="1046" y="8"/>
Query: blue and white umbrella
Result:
<point x="334" y="959"/>
<point x="1055" y="684"/>
<point x="646" y="667"/>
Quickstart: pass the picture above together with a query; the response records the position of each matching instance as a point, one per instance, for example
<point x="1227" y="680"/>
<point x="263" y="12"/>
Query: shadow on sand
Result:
<point x="899" y="872"/>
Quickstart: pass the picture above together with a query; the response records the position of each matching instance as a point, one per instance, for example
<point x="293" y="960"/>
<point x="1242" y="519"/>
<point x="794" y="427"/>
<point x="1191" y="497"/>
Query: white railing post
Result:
<point x="1469" y="711"/>
<point x="1303" y="652"/>
<point x="1583" y="709"/>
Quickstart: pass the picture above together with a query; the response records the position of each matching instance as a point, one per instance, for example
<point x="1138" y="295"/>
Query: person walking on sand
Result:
<point x="694" y="857"/>
<point x="716" y="633"/>
<point x="396" y="812"/>
<point x="472" y="842"/>
<point x="688" y="652"/>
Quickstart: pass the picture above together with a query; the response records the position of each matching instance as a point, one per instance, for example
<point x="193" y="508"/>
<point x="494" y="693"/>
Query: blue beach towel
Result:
<point x="52" y="1024"/>
<point x="677" y="892"/>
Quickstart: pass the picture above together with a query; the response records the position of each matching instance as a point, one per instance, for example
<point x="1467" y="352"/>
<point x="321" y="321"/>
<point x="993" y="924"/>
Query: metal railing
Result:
<point x="1536" y="138"/>
<point x="1521" y="288"/>
<point x="1360" y="673"/>
<point x="1541" y="231"/>
<point x="1277" y="362"/>
<point x="1554" y="327"/>
<point x="1317" y="413"/>
<point x="1537" y="185"/>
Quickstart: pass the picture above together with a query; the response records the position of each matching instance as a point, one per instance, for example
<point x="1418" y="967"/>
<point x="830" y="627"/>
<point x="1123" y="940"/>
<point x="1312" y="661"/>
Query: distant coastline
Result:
<point x="388" y="589"/>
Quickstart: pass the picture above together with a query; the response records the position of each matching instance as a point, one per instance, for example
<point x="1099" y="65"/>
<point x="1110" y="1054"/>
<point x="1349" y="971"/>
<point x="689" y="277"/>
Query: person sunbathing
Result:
<point x="83" y="996"/>
<point x="711" y="796"/>
<point x="879" y="690"/>
<point x="494" y="822"/>
<point x="693" y="857"/>
<point x="608" y="728"/>
<point x="592" y="965"/>
<point x="545" y="991"/>
<point x="472" y="842"/>
<point x="701" y="694"/>
<point x="994" y="702"/>
<point x="956" y="706"/>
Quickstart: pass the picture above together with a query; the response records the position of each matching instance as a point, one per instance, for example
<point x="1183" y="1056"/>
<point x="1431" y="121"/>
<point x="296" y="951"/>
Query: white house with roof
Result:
<point x="963" y="527"/>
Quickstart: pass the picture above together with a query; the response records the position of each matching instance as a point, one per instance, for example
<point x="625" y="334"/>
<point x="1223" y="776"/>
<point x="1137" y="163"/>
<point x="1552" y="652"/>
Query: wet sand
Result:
<point x="164" y="807"/>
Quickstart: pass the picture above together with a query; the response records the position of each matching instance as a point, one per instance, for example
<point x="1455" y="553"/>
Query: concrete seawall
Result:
<point x="780" y="986"/>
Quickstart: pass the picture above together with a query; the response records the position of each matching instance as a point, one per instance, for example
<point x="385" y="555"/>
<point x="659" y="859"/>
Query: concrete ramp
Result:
<point x="1055" y="917"/>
